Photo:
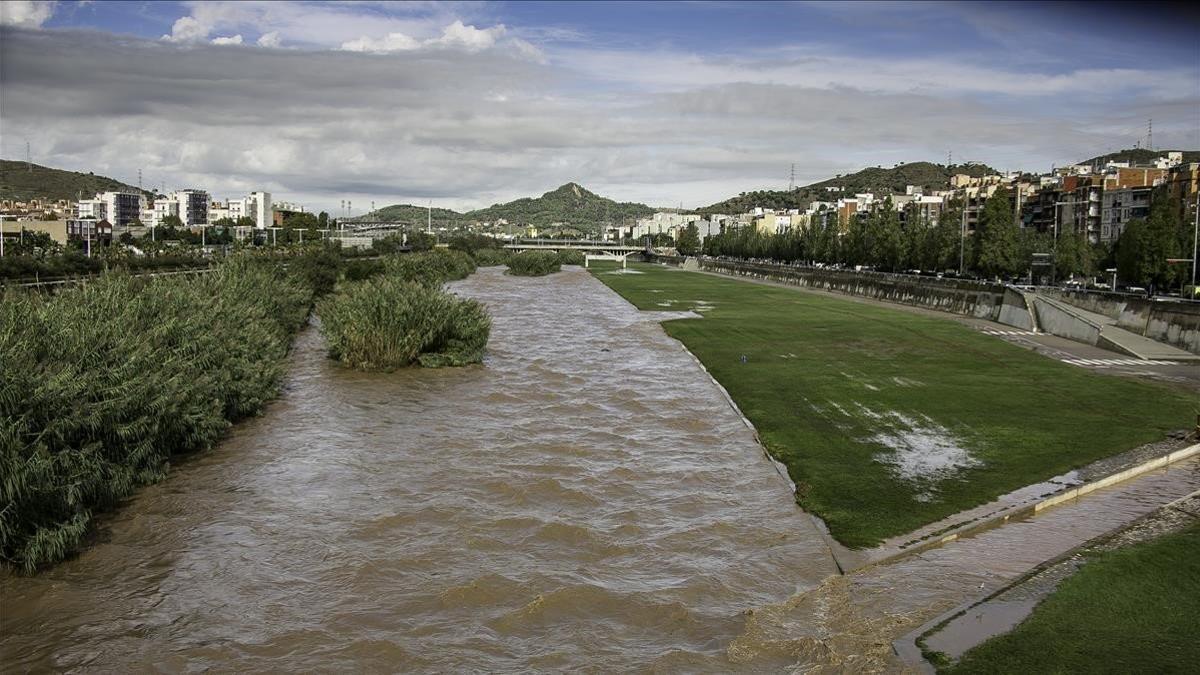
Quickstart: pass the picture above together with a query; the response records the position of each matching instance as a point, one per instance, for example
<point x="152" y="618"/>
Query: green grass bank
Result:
<point x="889" y="420"/>
<point x="1132" y="610"/>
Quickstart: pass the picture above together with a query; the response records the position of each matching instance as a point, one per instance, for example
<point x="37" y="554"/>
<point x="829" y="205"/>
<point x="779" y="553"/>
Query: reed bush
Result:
<point x="570" y="256"/>
<point x="360" y="270"/>
<point x="102" y="383"/>
<point x="491" y="257"/>
<point x="430" y="268"/>
<point x="390" y="322"/>
<point x="534" y="263"/>
<point x="319" y="267"/>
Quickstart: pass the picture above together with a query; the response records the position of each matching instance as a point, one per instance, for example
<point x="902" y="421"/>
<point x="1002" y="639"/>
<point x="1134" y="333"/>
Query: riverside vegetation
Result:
<point x="102" y="383"/>
<point x="889" y="420"/>
<point x="534" y="264"/>
<point x="403" y="317"/>
<point x="540" y="263"/>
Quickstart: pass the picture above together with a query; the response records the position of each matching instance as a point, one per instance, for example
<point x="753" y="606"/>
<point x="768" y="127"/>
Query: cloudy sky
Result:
<point x="468" y="104"/>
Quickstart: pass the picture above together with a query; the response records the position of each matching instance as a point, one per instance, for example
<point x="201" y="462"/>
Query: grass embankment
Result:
<point x="889" y="420"/>
<point x="401" y="316"/>
<point x="1128" y="611"/>
<point x="101" y="384"/>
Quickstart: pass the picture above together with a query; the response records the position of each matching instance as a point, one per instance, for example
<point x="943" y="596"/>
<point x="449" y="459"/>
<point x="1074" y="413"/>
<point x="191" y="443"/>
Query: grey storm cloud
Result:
<point x="470" y="128"/>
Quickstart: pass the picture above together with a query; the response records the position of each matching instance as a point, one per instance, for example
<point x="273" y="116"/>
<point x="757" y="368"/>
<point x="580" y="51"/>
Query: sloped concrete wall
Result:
<point x="1015" y="311"/>
<point x="1173" y="323"/>
<point x="1055" y="320"/>
<point x="969" y="298"/>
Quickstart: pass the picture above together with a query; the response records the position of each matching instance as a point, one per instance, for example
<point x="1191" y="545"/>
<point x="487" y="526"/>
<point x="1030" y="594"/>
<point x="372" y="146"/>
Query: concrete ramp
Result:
<point x="1064" y="320"/>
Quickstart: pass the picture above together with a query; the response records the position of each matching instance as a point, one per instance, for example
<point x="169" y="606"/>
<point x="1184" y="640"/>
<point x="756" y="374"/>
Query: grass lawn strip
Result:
<point x="1129" y="610"/>
<point x="889" y="420"/>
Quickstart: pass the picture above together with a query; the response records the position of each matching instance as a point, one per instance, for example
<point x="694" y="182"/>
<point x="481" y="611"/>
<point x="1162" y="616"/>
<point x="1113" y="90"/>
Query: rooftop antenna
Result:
<point x="792" y="180"/>
<point x="949" y="158"/>
<point x="1150" y="134"/>
<point x="28" y="158"/>
<point x="139" y="180"/>
<point x="429" y="221"/>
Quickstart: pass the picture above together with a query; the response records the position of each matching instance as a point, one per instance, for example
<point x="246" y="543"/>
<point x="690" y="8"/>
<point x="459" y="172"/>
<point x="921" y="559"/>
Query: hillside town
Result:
<point x="1092" y="200"/>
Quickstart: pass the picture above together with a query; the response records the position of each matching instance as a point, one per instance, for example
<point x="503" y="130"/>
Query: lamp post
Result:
<point x="1195" y="241"/>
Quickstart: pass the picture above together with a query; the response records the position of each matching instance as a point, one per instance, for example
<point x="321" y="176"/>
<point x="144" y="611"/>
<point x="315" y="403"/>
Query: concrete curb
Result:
<point x="906" y="647"/>
<point x="1005" y="515"/>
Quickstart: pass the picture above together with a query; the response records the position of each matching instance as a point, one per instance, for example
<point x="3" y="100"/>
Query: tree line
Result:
<point x="999" y="248"/>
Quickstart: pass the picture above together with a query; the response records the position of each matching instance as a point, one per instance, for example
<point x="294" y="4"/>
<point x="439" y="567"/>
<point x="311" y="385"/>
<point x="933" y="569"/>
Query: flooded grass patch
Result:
<point x="956" y="420"/>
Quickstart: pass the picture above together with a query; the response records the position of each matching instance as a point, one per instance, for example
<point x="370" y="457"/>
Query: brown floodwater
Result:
<point x="585" y="499"/>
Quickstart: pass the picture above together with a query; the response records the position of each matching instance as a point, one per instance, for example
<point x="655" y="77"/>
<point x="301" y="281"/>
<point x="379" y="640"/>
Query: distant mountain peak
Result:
<point x="573" y="189"/>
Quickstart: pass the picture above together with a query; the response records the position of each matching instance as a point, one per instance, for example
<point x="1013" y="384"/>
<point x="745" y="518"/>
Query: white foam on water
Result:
<point x="921" y="451"/>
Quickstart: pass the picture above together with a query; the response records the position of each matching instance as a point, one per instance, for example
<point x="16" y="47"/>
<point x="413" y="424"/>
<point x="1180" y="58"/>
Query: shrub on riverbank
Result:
<point x="74" y="263"/>
<point x="430" y="268"/>
<point x="361" y="270"/>
<point x="319" y="267"/>
<point x="101" y="383"/>
<point x="491" y="257"/>
<point x="570" y="256"/>
<point x="390" y="322"/>
<point x="534" y="264"/>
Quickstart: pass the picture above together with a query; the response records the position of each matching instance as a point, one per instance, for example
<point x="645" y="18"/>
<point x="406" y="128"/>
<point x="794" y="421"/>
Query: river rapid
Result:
<point x="585" y="499"/>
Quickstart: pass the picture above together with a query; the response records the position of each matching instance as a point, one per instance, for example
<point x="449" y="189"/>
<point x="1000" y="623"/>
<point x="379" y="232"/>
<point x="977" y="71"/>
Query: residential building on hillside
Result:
<point x="193" y="207"/>
<point x="1118" y="207"/>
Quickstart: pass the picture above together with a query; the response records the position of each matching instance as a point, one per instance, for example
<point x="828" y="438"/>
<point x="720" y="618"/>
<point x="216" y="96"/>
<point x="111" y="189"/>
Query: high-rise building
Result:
<point x="193" y="207"/>
<point x="123" y="208"/>
<point x="263" y="212"/>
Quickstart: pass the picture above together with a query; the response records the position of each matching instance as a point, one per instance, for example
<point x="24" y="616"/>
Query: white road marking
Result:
<point x="1108" y="363"/>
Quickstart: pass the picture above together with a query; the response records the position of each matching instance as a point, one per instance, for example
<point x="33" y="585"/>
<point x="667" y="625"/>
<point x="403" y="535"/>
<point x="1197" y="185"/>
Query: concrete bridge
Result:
<point x="614" y="250"/>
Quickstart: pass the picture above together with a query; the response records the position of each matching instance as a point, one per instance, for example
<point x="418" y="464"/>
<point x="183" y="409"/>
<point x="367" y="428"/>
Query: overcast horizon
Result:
<point x="467" y="105"/>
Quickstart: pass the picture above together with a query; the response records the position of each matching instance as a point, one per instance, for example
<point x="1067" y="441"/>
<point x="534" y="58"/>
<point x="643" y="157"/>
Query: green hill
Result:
<point x="570" y="204"/>
<point x="871" y="179"/>
<point x="1139" y="156"/>
<point x="408" y="213"/>
<point x="18" y="182"/>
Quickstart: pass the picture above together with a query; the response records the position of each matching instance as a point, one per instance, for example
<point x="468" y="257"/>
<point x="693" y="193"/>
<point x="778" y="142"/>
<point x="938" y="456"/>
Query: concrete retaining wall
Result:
<point x="969" y="298"/>
<point x="1054" y="319"/>
<point x="1015" y="311"/>
<point x="1174" y="323"/>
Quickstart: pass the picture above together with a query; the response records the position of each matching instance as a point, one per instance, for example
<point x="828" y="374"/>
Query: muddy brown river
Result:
<point x="586" y="499"/>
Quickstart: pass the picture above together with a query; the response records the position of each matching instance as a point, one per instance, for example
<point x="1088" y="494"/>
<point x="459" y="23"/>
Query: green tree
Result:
<point x="945" y="240"/>
<point x="996" y="237"/>
<point x="916" y="252"/>
<point x="246" y="221"/>
<point x="689" y="240"/>
<point x="1146" y="244"/>
<point x="857" y="245"/>
<point x="887" y="240"/>
<point x="420" y="241"/>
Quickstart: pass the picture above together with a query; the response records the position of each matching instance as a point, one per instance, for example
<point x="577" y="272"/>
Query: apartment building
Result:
<point x="1118" y="207"/>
